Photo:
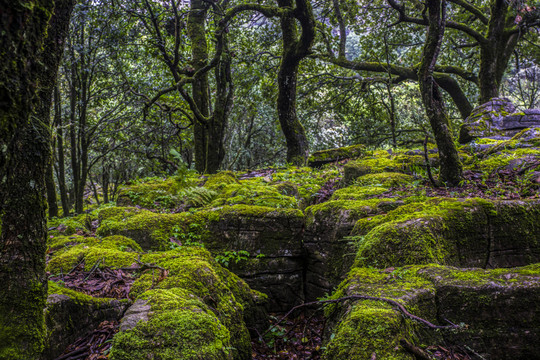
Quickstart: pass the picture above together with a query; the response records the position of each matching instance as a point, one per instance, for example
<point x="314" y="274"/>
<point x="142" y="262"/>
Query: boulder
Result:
<point x="271" y="238"/>
<point x="498" y="310"/>
<point x="497" y="118"/>
<point x="320" y="158"/>
<point x="70" y="315"/>
<point x="466" y="233"/>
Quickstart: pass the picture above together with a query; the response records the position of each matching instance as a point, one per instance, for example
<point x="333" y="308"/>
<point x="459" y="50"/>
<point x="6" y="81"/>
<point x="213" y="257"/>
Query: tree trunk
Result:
<point x="25" y="148"/>
<point x="294" y="50"/>
<point x="61" y="174"/>
<point x="73" y="131"/>
<point x="495" y="53"/>
<point x="222" y="109"/>
<point x="450" y="168"/>
<point x="199" y="58"/>
<point x="51" y="190"/>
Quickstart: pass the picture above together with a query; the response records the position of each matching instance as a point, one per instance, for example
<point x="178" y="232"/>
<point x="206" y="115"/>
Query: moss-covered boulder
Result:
<point x="70" y="314"/>
<point x="221" y="179"/>
<point x="497" y="118"/>
<point x="330" y="253"/>
<point x="191" y="308"/>
<point x="473" y="232"/>
<point x="156" y="193"/>
<point x="69" y="252"/>
<point x="387" y="163"/>
<point x="319" y="158"/>
<point x="272" y="238"/>
<point x="361" y="328"/>
<point x="497" y="309"/>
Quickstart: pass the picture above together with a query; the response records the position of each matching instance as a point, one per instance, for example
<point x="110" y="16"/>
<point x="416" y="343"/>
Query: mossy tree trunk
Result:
<point x="496" y="51"/>
<point x="295" y="48"/>
<point x="25" y="148"/>
<point x="199" y="58"/>
<point x="209" y="126"/>
<point x="450" y="168"/>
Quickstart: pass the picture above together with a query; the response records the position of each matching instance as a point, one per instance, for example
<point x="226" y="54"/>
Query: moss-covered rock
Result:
<point x="69" y="251"/>
<point x="319" y="158"/>
<point x="355" y="192"/>
<point x="155" y="193"/>
<point x="190" y="291"/>
<point x="497" y="117"/>
<point x="260" y="195"/>
<point x="330" y="253"/>
<point x="472" y="232"/>
<point x="479" y="299"/>
<point x="403" y="162"/>
<point x="221" y="179"/>
<point x="70" y="225"/>
<point x="179" y="326"/>
<point x="70" y="314"/>
<point x="384" y="179"/>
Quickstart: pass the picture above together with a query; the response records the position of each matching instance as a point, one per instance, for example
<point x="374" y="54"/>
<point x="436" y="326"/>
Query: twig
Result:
<point x="399" y="307"/>
<point x="93" y="269"/>
<point x="415" y="350"/>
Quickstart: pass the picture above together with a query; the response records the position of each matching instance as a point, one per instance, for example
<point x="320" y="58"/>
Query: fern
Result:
<point x="197" y="196"/>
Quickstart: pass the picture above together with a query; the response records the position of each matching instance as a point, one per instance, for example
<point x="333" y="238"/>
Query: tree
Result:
<point x="451" y="168"/>
<point x="475" y="40"/>
<point x="32" y="32"/>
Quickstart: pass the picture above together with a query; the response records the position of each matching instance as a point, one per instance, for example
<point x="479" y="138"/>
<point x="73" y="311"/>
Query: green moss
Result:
<point x="157" y="193"/>
<point x="195" y="271"/>
<point x="347" y="152"/>
<point x="68" y="226"/>
<point x="220" y="180"/>
<point x="180" y="326"/>
<point x="503" y="159"/>
<point x="307" y="180"/>
<point x="122" y="243"/>
<point x="334" y="210"/>
<point x="357" y="192"/>
<point x="369" y="328"/>
<point x="67" y="252"/>
<point x="260" y="195"/>
<point x="58" y="242"/>
<point x="384" y="179"/>
<point x="76" y="296"/>
<point x="420" y="233"/>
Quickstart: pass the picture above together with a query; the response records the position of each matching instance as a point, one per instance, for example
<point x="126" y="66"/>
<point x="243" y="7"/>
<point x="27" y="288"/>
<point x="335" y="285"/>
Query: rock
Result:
<point x="192" y="309"/>
<point x="499" y="308"/>
<point x="271" y="236"/>
<point x="319" y="158"/>
<point x="497" y="117"/>
<point x="139" y="311"/>
<point x="467" y="233"/>
<point x="330" y="254"/>
<point x="70" y="315"/>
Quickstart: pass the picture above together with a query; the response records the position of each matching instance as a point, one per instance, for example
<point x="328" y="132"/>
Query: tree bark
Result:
<point x="450" y="168"/>
<point x="295" y="48"/>
<point x="51" y="190"/>
<point x="61" y="173"/>
<point x="25" y="148"/>
<point x="199" y="58"/>
<point x="495" y="53"/>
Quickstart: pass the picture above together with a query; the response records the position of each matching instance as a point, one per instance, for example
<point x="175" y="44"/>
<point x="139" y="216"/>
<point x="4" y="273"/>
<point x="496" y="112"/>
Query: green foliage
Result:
<point x="197" y="196"/>
<point x="229" y="257"/>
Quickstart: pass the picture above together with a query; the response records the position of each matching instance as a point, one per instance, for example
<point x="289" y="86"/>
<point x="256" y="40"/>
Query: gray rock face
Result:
<point x="139" y="311"/>
<point x="497" y="117"/>
<point x="277" y="239"/>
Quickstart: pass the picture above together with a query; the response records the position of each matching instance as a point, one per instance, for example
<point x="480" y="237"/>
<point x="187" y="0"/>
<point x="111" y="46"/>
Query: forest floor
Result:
<point x="299" y="337"/>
